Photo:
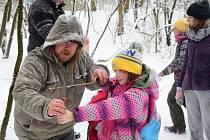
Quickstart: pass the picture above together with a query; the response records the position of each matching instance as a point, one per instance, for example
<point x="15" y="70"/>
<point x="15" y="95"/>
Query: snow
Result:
<point x="107" y="47"/>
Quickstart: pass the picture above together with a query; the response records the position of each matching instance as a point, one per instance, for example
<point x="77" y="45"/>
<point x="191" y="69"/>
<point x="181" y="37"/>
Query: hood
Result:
<point x="66" y="28"/>
<point x="147" y="81"/>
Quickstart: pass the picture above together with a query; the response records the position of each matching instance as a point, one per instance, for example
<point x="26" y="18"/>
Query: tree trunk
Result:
<point x="16" y="70"/>
<point x="157" y="32"/>
<point x="126" y="7"/>
<point x="4" y="23"/>
<point x="6" y="55"/>
<point x="9" y="11"/>
<point x="73" y="8"/>
<point x="120" y="28"/>
<point x="93" y="5"/>
<point x="136" y="5"/>
<point x="168" y="19"/>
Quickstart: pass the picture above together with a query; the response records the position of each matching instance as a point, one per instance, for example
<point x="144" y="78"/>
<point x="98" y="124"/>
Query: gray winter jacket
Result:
<point x="41" y="71"/>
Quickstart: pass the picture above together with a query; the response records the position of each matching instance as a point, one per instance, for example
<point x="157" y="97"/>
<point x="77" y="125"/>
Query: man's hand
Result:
<point x="56" y="107"/>
<point x="65" y="118"/>
<point x="101" y="74"/>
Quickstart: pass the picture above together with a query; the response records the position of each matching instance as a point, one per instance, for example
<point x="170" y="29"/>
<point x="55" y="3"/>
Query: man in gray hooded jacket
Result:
<point x="45" y="85"/>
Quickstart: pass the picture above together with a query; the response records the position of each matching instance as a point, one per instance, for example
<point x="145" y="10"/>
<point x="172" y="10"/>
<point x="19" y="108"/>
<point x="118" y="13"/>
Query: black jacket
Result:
<point x="41" y="18"/>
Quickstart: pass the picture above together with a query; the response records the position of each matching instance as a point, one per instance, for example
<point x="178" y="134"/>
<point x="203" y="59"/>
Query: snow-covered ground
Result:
<point x="105" y="50"/>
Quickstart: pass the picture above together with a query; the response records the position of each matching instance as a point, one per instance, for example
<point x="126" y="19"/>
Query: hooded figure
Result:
<point x="43" y="88"/>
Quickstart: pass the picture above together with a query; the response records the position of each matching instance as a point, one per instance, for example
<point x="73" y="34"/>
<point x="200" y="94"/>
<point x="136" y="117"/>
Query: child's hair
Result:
<point x="132" y="76"/>
<point x="129" y="60"/>
<point x="181" y="24"/>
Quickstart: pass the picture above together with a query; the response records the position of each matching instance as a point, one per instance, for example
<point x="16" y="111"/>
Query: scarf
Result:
<point x="181" y="37"/>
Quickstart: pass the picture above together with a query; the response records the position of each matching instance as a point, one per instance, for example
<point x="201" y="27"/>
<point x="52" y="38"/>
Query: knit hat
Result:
<point x="181" y="24"/>
<point x="199" y="10"/>
<point x="129" y="60"/>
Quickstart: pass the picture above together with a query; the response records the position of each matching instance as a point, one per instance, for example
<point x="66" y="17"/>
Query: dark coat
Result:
<point x="42" y="16"/>
<point x="196" y="71"/>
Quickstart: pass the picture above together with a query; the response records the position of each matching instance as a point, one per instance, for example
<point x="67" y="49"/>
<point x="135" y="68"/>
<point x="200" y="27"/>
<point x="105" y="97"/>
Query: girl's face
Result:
<point x="176" y="32"/>
<point x="121" y="76"/>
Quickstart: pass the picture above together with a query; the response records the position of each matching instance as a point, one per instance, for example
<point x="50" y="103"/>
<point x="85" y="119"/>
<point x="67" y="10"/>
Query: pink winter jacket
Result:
<point x="125" y="102"/>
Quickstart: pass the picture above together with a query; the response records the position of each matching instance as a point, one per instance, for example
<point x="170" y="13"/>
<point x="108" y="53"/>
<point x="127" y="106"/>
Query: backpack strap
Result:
<point x="133" y="127"/>
<point x="151" y="112"/>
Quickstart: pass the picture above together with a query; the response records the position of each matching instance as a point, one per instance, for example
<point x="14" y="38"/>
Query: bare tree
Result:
<point x="16" y="70"/>
<point x="168" y="15"/>
<point x="73" y="7"/>
<point x="120" y="24"/>
<point x="6" y="54"/>
<point x="4" y="22"/>
<point x="156" y="12"/>
<point x="137" y="4"/>
<point x="94" y="50"/>
<point x="126" y="6"/>
<point x="93" y="5"/>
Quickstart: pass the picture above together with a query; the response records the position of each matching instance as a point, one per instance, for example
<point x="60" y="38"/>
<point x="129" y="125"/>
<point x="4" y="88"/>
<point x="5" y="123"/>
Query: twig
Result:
<point x="70" y="86"/>
<point x="92" y="54"/>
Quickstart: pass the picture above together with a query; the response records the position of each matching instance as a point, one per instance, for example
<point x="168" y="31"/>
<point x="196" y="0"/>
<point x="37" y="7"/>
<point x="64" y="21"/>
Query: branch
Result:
<point x="88" y="9"/>
<point x="92" y="54"/>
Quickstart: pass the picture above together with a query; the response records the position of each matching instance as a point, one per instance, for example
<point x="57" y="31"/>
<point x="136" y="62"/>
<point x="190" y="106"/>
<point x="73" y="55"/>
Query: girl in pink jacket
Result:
<point x="128" y="95"/>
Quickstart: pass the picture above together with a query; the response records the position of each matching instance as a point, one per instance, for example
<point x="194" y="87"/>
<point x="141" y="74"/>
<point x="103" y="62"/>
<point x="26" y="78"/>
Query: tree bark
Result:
<point x="6" y="55"/>
<point x="9" y="11"/>
<point x="126" y="7"/>
<point x="16" y="70"/>
<point x="4" y="23"/>
<point x="93" y="5"/>
<point x="120" y="25"/>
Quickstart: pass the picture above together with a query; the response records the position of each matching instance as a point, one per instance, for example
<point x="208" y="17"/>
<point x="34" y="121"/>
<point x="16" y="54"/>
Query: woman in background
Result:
<point x="195" y="77"/>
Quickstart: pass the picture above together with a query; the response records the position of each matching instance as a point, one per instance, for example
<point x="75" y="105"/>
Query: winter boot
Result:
<point x="175" y="130"/>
